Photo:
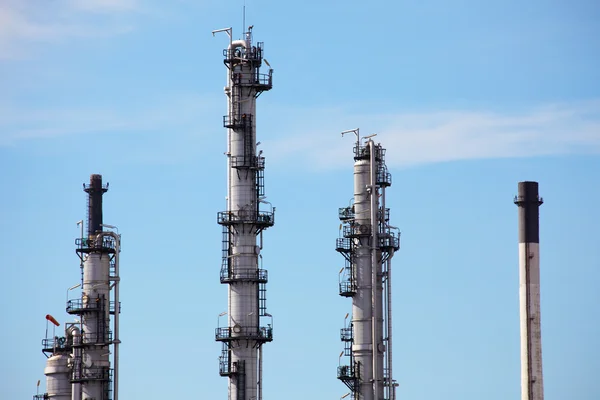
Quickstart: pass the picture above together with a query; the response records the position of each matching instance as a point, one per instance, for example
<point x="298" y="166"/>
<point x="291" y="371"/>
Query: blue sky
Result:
<point x="468" y="98"/>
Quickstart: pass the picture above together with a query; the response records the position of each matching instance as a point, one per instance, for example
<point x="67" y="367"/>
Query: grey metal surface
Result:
<point x="95" y="191"/>
<point x="528" y="200"/>
<point x="58" y="383"/>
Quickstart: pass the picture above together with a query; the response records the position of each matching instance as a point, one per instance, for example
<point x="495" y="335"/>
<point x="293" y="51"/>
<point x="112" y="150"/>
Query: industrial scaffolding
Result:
<point x="248" y="214"/>
<point x="79" y="363"/>
<point x="368" y="242"/>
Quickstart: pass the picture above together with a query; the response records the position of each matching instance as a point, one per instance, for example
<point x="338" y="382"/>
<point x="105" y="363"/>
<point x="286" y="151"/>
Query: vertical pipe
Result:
<point x="260" y="360"/>
<point x="374" y="228"/>
<point x="228" y="92"/>
<point x="95" y="297"/>
<point x="117" y="312"/>
<point x="389" y="325"/>
<point x="76" y="386"/>
<point x="528" y="201"/>
<point x="95" y="192"/>
<point x="388" y="309"/>
<point x="362" y="302"/>
<point x="117" y="280"/>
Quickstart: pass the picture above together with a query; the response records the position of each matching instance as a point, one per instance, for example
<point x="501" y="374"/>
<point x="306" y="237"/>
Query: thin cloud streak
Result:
<point x="106" y="6"/>
<point x="183" y="114"/>
<point x="23" y="23"/>
<point x="314" y="140"/>
<point x="441" y="136"/>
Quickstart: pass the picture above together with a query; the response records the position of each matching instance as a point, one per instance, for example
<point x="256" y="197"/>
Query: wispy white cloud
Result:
<point x="104" y="5"/>
<point x="439" y="136"/>
<point x="312" y="138"/>
<point x="174" y="114"/>
<point x="27" y="22"/>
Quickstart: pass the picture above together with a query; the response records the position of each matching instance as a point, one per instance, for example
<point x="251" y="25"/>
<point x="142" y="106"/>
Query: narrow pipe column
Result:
<point x="529" y="202"/>
<point x="362" y="303"/>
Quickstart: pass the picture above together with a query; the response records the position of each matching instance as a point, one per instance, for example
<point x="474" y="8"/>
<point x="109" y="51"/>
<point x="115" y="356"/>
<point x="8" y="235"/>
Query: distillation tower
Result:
<point x="368" y="243"/>
<point x="79" y="366"/>
<point x="529" y="201"/>
<point x="246" y="217"/>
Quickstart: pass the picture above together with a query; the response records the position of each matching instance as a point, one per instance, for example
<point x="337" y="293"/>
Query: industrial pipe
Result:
<point x="116" y="279"/>
<point x="389" y="311"/>
<point x="260" y="360"/>
<point x="76" y="386"/>
<point x="529" y="202"/>
<point x="374" y="246"/>
<point x="389" y="323"/>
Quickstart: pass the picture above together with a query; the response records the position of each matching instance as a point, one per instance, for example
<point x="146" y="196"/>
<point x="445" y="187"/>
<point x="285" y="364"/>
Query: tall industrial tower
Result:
<point x="368" y="243"/>
<point x="529" y="201"/>
<point x="243" y="223"/>
<point x="79" y="367"/>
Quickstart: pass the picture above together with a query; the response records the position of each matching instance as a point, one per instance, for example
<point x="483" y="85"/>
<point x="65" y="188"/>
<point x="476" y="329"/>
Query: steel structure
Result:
<point x="246" y="217"/>
<point x="79" y="365"/>
<point x="529" y="201"/>
<point x="368" y="243"/>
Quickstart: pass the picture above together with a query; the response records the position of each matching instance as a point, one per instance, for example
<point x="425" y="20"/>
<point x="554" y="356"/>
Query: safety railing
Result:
<point x="348" y="288"/>
<point x="229" y="274"/>
<point x="362" y="152"/>
<point x="248" y="162"/>
<point x="389" y="241"/>
<point x="346" y="213"/>
<point x="91" y="374"/>
<point x="521" y="200"/>
<point x="347" y="372"/>
<point x="349" y="375"/>
<point x="105" y="243"/>
<point x="356" y="230"/>
<point x="343" y="245"/>
<point x="256" y="80"/>
<point x="262" y="334"/>
<point x="96" y="339"/>
<point x="226" y="367"/>
<point x="346" y="334"/>
<point x="383" y="177"/>
<point x="253" y="53"/>
<point x="41" y="396"/>
<point x="385" y="216"/>
<point x="77" y="306"/>
<point x="237" y="122"/>
<point x="261" y="218"/>
<point x="50" y="344"/>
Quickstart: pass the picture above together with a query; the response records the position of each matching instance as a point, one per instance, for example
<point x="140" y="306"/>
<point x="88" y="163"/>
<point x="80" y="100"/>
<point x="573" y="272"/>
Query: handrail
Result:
<point x="249" y="274"/>
<point x="355" y="230"/>
<point x="241" y="332"/>
<point x="88" y="243"/>
<point x="247" y="216"/>
<point x="343" y="245"/>
<point x="346" y="213"/>
<point x="76" y="305"/>
<point x="346" y="334"/>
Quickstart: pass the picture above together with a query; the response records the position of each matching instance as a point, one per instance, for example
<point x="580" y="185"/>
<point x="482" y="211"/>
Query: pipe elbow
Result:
<point x="237" y="43"/>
